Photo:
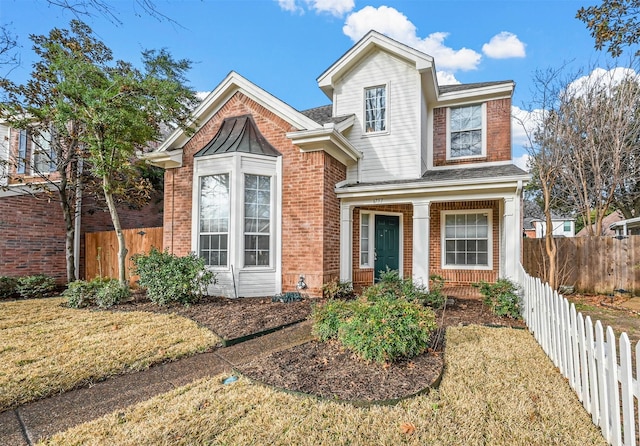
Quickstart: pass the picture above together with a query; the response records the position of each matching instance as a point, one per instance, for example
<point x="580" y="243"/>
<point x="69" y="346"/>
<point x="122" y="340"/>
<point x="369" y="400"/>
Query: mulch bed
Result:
<point x="231" y="318"/>
<point x="326" y="369"/>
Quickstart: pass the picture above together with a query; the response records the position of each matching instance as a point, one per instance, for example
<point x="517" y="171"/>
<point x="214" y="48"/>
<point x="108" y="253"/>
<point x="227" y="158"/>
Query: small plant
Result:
<point x="328" y="317"/>
<point x="102" y="292"/>
<point x="288" y="297"/>
<point x="387" y="330"/>
<point x="435" y="297"/>
<point x="169" y="278"/>
<point x="337" y="289"/>
<point x="38" y="285"/>
<point x="501" y="297"/>
<point x="8" y="287"/>
<point x="391" y="285"/>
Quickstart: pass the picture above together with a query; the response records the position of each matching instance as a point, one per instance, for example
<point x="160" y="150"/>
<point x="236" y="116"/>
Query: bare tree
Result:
<point x="546" y="157"/>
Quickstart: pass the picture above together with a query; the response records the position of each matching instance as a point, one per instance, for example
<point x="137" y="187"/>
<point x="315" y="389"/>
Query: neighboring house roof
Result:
<point x="238" y="134"/>
<point x="527" y="224"/>
<point x="629" y="223"/>
<point x="606" y="224"/>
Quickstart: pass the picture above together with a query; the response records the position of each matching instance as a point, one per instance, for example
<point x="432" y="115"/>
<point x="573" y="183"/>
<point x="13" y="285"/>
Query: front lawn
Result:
<point x="499" y="388"/>
<point x="46" y="348"/>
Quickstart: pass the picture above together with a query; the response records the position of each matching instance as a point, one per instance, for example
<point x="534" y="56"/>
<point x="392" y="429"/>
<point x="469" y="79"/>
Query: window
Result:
<point x="364" y="240"/>
<point x="567" y="226"/>
<point x="375" y="109"/>
<point x="467" y="240"/>
<point x="257" y="220"/>
<point x="22" y="151"/>
<point x="465" y="125"/>
<point x="44" y="155"/>
<point x="214" y="219"/>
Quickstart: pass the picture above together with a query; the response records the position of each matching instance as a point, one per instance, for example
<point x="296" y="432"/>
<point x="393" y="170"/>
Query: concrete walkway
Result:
<point x="34" y="421"/>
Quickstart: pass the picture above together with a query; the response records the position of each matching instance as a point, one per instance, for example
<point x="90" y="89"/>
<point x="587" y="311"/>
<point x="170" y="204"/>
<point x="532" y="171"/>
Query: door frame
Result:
<point x="372" y="228"/>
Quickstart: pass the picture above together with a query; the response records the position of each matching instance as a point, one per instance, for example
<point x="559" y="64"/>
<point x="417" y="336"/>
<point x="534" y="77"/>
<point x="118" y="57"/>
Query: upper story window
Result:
<point x="35" y="154"/>
<point x="375" y="109"/>
<point x="466" y="138"/>
<point x="23" y="139"/>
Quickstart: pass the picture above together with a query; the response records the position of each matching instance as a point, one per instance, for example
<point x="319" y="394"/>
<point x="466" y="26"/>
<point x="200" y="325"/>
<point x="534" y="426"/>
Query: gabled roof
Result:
<point x="238" y="134"/>
<point x="221" y="94"/>
<point x="372" y="40"/>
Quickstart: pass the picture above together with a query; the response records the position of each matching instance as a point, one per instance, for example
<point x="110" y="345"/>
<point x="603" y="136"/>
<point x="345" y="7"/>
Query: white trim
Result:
<point x="326" y="139"/>
<point x="481" y="163"/>
<point x="443" y="263"/>
<point x="483" y="129"/>
<point x="372" y="230"/>
<point x="369" y="226"/>
<point x="498" y="91"/>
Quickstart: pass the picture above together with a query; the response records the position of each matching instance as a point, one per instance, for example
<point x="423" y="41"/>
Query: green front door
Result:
<point x="387" y="245"/>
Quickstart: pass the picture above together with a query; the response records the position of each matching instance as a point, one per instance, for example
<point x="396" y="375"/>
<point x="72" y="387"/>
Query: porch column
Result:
<point x="420" y="263"/>
<point x="346" y="242"/>
<point x="512" y="238"/>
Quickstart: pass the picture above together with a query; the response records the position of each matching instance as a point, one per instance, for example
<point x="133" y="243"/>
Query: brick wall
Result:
<point x="498" y="134"/>
<point x="363" y="277"/>
<point x="455" y="277"/>
<point x="309" y="246"/>
<point x="32" y="239"/>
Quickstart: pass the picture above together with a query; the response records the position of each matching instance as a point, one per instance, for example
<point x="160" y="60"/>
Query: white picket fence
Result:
<point x="588" y="357"/>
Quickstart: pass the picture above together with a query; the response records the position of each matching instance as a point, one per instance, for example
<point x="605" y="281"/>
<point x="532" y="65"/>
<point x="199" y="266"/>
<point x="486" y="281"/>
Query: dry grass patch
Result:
<point x="499" y="388"/>
<point x="46" y="348"/>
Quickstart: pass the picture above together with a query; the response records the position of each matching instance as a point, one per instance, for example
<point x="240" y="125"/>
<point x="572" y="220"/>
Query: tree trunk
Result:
<point x="549" y="241"/>
<point x="122" y="248"/>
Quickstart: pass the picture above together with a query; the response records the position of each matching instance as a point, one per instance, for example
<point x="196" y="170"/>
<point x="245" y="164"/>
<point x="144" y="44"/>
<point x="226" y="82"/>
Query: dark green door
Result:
<point x="387" y="246"/>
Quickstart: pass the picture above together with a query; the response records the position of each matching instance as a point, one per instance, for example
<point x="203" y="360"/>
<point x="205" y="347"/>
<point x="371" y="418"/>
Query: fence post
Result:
<point x="614" y="393"/>
<point x="626" y="381"/>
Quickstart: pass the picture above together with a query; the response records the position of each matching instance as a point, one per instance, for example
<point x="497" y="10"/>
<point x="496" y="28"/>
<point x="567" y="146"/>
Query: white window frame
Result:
<point x="23" y="140"/>
<point x="386" y="110"/>
<point x="229" y="222"/>
<point x="271" y="221"/>
<point x="443" y="259"/>
<point x="369" y="251"/>
<point x="483" y="112"/>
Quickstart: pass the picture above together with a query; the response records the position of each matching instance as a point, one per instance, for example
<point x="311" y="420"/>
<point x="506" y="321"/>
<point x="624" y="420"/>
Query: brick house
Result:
<point x="32" y="230"/>
<point x="398" y="172"/>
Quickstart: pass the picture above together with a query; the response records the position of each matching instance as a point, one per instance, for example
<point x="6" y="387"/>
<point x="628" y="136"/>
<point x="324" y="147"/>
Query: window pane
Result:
<point x="465" y="131"/>
<point x="375" y="109"/>
<point x="466" y="239"/>
<point x="257" y="199"/>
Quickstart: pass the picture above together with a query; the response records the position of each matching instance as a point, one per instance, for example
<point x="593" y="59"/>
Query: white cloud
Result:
<point x="202" y="94"/>
<point x="336" y="8"/>
<point x="600" y="79"/>
<point x="289" y="5"/>
<point x="504" y="46"/>
<point x="391" y="22"/>
<point x="446" y="78"/>
<point x="522" y="161"/>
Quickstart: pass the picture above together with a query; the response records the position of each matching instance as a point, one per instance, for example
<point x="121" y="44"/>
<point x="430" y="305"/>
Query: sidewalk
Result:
<point x="30" y="423"/>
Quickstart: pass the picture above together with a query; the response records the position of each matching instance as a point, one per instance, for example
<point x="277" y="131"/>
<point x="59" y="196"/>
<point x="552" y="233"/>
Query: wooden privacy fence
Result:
<point x="591" y="264"/>
<point x="101" y="250"/>
<point x="587" y="356"/>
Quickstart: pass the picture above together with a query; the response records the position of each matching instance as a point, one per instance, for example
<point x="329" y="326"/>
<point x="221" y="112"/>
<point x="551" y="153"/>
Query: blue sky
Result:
<point x="284" y="45"/>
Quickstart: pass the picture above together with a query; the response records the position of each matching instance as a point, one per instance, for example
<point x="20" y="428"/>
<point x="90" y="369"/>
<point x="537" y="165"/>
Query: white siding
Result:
<point x="394" y="154"/>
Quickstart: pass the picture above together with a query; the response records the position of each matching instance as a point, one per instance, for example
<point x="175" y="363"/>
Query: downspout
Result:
<point x="78" y="221"/>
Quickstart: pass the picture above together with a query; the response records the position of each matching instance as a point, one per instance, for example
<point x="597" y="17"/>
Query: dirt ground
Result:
<point x="326" y="369"/>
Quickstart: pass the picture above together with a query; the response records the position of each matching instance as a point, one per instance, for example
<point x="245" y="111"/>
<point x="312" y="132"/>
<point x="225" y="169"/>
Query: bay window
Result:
<point x="214" y="219"/>
<point x="257" y="220"/>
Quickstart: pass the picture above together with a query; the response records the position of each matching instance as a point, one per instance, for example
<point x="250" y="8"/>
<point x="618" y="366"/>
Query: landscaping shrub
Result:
<point x="328" y="317"/>
<point x="169" y="278"/>
<point x="288" y="297"/>
<point x="337" y="289"/>
<point x="102" y="292"/>
<point x="391" y="285"/>
<point x="501" y="297"/>
<point x="39" y="285"/>
<point x="8" y="287"/>
<point x="387" y="330"/>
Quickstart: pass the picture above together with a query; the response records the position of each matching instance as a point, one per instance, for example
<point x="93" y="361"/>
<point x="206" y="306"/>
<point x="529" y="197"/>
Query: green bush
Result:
<point x="39" y="285"/>
<point x="387" y="330"/>
<point x="501" y="297"/>
<point x="8" y="287"/>
<point x="337" y="289"/>
<point x="103" y="292"/>
<point x="328" y="317"/>
<point x="169" y="278"/>
<point x="391" y="285"/>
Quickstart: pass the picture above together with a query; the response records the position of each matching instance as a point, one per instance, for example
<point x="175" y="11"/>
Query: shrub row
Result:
<point x="27" y="287"/>
<point x="102" y="292"/>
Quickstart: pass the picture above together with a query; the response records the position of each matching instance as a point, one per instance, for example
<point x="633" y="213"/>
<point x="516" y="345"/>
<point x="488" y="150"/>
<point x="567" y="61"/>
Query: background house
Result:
<point x="561" y="226"/>
<point x="397" y="172"/>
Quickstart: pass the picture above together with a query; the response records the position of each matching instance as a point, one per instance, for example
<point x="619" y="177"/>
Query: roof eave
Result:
<point x="167" y="160"/>
<point x="329" y="140"/>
